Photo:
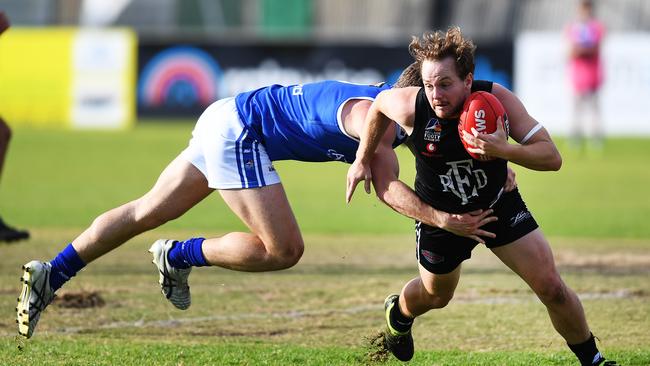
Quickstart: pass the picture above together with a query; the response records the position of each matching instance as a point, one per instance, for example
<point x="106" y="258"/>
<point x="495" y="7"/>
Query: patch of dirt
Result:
<point x="79" y="300"/>
<point x="615" y="259"/>
<point x="375" y="345"/>
<point x="614" y="263"/>
<point x="8" y="291"/>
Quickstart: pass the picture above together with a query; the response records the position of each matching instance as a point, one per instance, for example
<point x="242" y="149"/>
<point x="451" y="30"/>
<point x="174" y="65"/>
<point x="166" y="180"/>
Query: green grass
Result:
<point x="595" y="194"/>
<point x="71" y="177"/>
<point x="321" y="311"/>
<point x="138" y="353"/>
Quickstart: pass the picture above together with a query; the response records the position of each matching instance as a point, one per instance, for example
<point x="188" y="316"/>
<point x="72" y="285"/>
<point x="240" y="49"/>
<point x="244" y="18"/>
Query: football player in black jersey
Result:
<point x="448" y="179"/>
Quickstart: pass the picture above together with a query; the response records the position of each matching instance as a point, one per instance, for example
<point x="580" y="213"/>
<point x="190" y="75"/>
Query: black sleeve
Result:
<point x="482" y="85"/>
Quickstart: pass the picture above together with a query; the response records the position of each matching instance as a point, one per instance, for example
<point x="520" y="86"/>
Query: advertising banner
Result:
<point x="103" y="79"/>
<point x="181" y="80"/>
<point x="35" y="76"/>
<point x="68" y="77"/>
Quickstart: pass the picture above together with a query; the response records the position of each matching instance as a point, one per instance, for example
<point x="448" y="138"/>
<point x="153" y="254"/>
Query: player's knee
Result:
<point x="292" y="255"/>
<point x="439" y="300"/>
<point x="289" y="254"/>
<point x="552" y="291"/>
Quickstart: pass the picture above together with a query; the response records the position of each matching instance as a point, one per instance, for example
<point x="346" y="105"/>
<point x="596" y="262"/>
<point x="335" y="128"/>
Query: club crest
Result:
<point x="433" y="130"/>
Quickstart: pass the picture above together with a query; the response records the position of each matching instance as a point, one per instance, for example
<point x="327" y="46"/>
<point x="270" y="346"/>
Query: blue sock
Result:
<point x="64" y="266"/>
<point x="185" y="254"/>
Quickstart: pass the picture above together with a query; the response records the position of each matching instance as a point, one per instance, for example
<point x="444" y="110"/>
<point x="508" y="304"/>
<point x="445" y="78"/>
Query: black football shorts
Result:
<point x="440" y="251"/>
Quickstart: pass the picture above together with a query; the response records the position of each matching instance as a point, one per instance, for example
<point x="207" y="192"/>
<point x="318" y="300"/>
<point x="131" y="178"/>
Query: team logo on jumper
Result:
<point x="462" y="180"/>
<point x="433" y="130"/>
<point x="431" y="257"/>
<point x="332" y="154"/>
<point x="430" y="149"/>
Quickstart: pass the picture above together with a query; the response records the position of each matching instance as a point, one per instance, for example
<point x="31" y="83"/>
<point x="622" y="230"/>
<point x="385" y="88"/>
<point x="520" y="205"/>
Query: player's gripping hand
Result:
<point x="468" y="224"/>
<point x="356" y="173"/>
<point x="490" y="145"/>
<point x="4" y="22"/>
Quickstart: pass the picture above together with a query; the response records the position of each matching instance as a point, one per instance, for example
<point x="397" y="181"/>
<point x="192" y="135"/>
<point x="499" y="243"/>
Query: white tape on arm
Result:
<point x="530" y="134"/>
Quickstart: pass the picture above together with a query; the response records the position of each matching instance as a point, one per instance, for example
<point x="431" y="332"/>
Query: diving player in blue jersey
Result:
<point x="306" y="122"/>
<point x="231" y="150"/>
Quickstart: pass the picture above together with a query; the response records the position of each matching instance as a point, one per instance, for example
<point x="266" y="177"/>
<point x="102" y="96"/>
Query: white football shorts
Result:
<point x="225" y="151"/>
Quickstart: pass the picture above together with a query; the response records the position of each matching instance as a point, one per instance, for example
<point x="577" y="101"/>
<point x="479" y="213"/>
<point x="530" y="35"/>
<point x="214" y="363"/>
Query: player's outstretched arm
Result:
<point x="390" y="105"/>
<point x="401" y="198"/>
<point x="374" y="128"/>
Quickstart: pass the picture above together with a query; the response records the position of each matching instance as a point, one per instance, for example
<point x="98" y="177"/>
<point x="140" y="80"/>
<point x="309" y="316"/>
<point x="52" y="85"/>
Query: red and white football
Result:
<point x="481" y="111"/>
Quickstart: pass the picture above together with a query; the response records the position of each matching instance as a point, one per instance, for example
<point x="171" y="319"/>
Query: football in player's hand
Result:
<point x="481" y="112"/>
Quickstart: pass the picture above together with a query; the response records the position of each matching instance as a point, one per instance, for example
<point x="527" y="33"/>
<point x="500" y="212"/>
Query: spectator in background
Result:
<point x="7" y="233"/>
<point x="585" y="36"/>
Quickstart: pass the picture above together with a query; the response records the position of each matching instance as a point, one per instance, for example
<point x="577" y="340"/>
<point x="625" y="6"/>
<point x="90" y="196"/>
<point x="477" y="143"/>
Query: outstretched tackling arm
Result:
<point x="389" y="105"/>
<point x="401" y="198"/>
<point x="393" y="192"/>
<point x="377" y="161"/>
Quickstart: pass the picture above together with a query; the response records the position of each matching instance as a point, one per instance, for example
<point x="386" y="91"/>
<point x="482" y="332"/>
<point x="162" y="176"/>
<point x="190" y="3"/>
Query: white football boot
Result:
<point x="35" y="296"/>
<point x="173" y="281"/>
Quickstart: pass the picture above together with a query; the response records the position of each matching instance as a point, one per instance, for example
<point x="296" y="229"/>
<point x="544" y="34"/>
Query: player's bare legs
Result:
<point x="429" y="291"/>
<point x="577" y="133"/>
<point x="7" y="233"/>
<point x="531" y="258"/>
<point x="180" y="187"/>
<point x="5" y="137"/>
<point x="594" y="118"/>
<point x="275" y="241"/>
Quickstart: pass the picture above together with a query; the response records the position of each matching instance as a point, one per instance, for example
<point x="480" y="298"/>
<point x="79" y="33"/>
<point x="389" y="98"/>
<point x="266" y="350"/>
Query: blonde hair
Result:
<point x="438" y="45"/>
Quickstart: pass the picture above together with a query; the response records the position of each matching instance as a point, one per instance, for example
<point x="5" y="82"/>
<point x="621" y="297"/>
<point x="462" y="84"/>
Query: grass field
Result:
<point x="322" y="311"/>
